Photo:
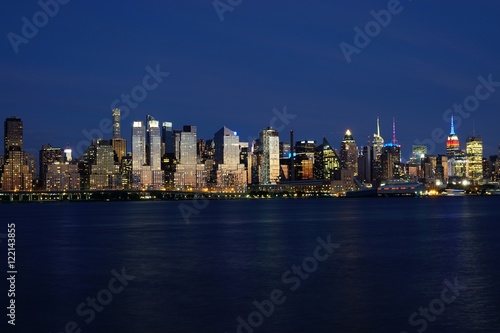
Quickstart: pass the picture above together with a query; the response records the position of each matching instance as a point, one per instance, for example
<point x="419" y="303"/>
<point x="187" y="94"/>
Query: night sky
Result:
<point x="263" y="55"/>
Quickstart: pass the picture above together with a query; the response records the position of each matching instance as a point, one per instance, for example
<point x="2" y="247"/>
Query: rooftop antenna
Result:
<point x="378" y="126"/>
<point x="452" y="132"/>
<point x="394" y="141"/>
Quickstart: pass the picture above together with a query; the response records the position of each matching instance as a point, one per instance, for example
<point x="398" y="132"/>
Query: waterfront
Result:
<point x="200" y="274"/>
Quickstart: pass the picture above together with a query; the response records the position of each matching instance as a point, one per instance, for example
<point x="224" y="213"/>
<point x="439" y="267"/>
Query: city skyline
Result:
<point x="373" y="139"/>
<point x="181" y="62"/>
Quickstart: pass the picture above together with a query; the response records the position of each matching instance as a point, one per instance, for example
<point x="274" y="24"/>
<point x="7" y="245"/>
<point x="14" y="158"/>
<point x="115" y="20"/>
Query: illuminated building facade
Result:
<point x="17" y="174"/>
<point x="230" y="172"/>
<point x="327" y="164"/>
<point x="474" y="151"/>
<point x="452" y="144"/>
<point x="146" y="155"/>
<point x="269" y="156"/>
<point x="349" y="153"/>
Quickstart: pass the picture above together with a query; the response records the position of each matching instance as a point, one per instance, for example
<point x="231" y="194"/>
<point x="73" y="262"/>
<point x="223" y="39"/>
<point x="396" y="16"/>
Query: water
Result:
<point x="394" y="256"/>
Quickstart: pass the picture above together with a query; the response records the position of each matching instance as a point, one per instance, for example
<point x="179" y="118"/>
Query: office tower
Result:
<point x="474" y="151"/>
<point x="103" y="171"/>
<point x="119" y="144"/>
<point x="452" y="144"/>
<point x="17" y="171"/>
<point x="391" y="157"/>
<point x="48" y="155"/>
<point x="269" y="159"/>
<point x="349" y="153"/>
<point x="230" y="172"/>
<point x="13" y="130"/>
<point x="377" y="143"/>
<point x="154" y="144"/>
<point x="146" y="155"/>
<point x="167" y="138"/>
<point x="327" y="164"/>
<point x="138" y="145"/>
<point x="188" y="173"/>
<point x="365" y="161"/>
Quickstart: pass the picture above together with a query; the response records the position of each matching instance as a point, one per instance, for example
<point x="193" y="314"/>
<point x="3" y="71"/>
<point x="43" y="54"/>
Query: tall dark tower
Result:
<point x="119" y="144"/>
<point x="13" y="129"/>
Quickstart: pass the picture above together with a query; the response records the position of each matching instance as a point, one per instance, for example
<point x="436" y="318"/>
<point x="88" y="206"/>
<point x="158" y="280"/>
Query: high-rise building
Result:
<point x="452" y="144"/>
<point x="391" y="157"/>
<point x="116" y="123"/>
<point x="349" y="153"/>
<point x="327" y="164"/>
<point x="146" y="155"/>
<point x="167" y="138"/>
<point x="103" y="170"/>
<point x="188" y="173"/>
<point x="17" y="168"/>
<point x="474" y="151"/>
<point x="119" y="144"/>
<point x="377" y="143"/>
<point x="48" y="155"/>
<point x="153" y="140"/>
<point x="138" y="145"/>
<point x="269" y="159"/>
<point x="230" y="172"/>
<point x="13" y="130"/>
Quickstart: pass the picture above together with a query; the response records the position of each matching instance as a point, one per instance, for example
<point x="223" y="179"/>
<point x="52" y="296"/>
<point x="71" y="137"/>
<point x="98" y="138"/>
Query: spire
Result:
<point x="394" y="141"/>
<point x="378" y="127"/>
<point x="452" y="132"/>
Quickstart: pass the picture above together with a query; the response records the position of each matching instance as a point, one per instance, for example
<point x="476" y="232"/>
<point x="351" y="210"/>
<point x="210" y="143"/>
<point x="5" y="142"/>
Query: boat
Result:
<point x="453" y="192"/>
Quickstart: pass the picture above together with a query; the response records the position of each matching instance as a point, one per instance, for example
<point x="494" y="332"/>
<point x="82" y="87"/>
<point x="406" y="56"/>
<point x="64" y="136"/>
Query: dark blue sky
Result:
<point x="263" y="55"/>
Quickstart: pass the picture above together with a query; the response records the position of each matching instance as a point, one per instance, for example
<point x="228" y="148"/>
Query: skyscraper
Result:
<point x="119" y="144"/>
<point x="167" y="138"/>
<point x="13" y="130"/>
<point x="349" y="153"/>
<point x="391" y="157"/>
<point x="188" y="173"/>
<point x="104" y="171"/>
<point x="154" y="144"/>
<point x="146" y="155"/>
<point x="116" y="123"/>
<point x="327" y="164"/>
<point x="452" y="144"/>
<point x="474" y="151"/>
<point x="17" y="175"/>
<point x="231" y="173"/>
<point x="138" y="145"/>
<point x="269" y="151"/>
<point x="377" y="143"/>
<point x="48" y="155"/>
